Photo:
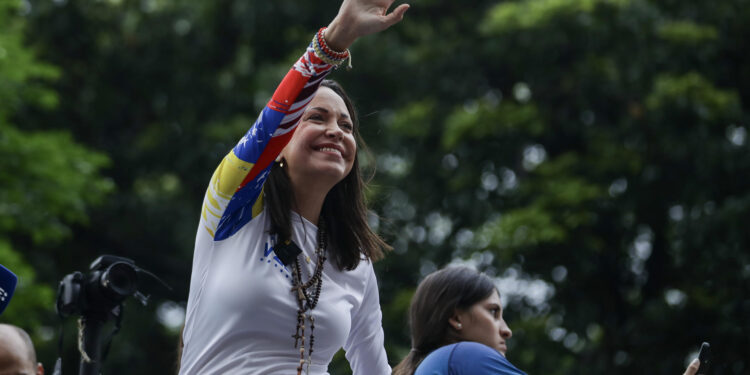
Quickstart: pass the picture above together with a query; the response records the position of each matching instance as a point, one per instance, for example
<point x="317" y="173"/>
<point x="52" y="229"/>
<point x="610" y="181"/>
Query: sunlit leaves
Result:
<point x="18" y="65"/>
<point x="687" y="33"/>
<point x="415" y="119"/>
<point x="561" y="205"/>
<point x="523" y="227"/>
<point x="692" y="93"/>
<point x="484" y="119"/>
<point x="527" y="14"/>
<point x="47" y="182"/>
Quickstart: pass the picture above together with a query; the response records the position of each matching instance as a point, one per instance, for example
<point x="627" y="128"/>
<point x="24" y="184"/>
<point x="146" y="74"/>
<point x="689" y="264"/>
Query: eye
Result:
<point x="347" y="126"/>
<point x="315" y="117"/>
<point x="495" y="312"/>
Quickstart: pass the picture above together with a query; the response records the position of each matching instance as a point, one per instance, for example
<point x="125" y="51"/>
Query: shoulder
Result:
<point x="437" y="362"/>
<point x="481" y="359"/>
<point x="469" y="350"/>
<point x="467" y="358"/>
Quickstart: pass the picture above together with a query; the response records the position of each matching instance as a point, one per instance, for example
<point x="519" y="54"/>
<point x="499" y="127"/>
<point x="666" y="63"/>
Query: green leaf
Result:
<point x="687" y="33"/>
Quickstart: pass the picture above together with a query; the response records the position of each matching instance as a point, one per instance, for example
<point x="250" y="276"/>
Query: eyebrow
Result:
<point x="494" y="305"/>
<point x="321" y="109"/>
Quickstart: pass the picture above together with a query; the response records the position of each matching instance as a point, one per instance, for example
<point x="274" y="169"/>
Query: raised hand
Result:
<point x="357" y="18"/>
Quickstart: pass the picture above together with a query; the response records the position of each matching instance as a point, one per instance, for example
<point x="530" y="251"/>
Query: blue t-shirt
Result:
<point x="466" y="358"/>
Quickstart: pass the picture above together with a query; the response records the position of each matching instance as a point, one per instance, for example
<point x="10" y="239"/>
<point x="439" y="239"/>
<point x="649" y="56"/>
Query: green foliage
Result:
<point x="523" y="227"/>
<point x="529" y="14"/>
<point x="407" y="122"/>
<point x="692" y="92"/>
<point x="687" y="33"/>
<point x="48" y="182"/>
<point x="488" y="119"/>
<point x="19" y="66"/>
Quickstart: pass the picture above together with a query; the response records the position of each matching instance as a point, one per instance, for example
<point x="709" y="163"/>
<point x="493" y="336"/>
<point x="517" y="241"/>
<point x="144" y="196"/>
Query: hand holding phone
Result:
<point x="704" y="356"/>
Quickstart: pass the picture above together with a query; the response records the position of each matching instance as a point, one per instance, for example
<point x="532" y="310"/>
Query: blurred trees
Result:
<point x="599" y="146"/>
<point x="592" y="154"/>
<point x="47" y="180"/>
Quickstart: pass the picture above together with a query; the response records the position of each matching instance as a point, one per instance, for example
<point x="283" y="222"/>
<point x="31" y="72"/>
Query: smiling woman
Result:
<point x="321" y="154"/>
<point x="282" y="269"/>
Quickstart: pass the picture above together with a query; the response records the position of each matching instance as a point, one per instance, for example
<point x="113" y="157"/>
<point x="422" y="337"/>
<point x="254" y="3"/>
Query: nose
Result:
<point x="333" y="131"/>
<point x="505" y="331"/>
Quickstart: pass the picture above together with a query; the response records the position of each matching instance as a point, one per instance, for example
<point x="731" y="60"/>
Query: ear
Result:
<point x="456" y="321"/>
<point x="280" y="159"/>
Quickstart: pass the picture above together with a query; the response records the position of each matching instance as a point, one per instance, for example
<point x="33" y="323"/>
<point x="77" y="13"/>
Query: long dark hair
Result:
<point x="436" y="300"/>
<point x="344" y="209"/>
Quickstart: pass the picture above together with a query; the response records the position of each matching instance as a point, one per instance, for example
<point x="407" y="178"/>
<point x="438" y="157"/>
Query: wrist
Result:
<point x="337" y="37"/>
<point x="328" y="54"/>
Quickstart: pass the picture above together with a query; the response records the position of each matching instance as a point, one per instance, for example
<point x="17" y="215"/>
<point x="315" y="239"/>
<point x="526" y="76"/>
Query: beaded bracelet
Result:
<point x="324" y="46"/>
<point x="328" y="55"/>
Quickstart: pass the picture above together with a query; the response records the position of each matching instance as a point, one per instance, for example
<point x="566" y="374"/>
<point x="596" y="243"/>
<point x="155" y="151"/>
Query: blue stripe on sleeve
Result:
<point x="255" y="140"/>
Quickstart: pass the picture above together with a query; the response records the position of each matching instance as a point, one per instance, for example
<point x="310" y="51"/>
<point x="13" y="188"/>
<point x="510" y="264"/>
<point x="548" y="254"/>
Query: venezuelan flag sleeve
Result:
<point x="233" y="197"/>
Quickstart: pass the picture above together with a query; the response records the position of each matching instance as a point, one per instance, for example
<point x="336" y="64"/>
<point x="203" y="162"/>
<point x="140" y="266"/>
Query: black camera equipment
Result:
<point x="97" y="298"/>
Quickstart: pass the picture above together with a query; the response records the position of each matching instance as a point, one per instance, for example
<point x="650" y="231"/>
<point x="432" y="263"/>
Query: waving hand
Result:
<point x="357" y="18"/>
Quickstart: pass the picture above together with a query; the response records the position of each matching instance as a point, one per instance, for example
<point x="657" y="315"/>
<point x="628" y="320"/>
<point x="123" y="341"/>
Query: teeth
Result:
<point x="329" y="149"/>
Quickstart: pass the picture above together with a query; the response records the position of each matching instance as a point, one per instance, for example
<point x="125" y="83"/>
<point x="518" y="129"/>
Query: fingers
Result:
<point x="396" y="16"/>
<point x="693" y="368"/>
<point x="357" y="18"/>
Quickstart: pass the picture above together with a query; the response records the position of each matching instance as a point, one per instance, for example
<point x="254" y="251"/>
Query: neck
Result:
<point x="309" y="202"/>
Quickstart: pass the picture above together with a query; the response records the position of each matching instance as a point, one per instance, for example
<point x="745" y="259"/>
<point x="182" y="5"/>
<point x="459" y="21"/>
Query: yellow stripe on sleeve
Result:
<point x="229" y="175"/>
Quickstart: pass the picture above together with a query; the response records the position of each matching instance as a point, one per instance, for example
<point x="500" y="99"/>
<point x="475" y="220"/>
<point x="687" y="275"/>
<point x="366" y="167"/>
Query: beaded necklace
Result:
<point x="307" y="298"/>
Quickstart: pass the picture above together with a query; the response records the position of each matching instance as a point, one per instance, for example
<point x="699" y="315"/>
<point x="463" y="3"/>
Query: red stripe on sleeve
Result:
<point x="287" y="92"/>
<point x="274" y="147"/>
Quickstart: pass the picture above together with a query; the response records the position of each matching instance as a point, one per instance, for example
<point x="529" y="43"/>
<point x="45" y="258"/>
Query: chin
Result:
<point x="334" y="171"/>
<point x="332" y="175"/>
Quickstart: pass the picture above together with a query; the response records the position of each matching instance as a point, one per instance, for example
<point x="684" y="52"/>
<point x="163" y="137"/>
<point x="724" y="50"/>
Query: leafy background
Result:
<point x="592" y="155"/>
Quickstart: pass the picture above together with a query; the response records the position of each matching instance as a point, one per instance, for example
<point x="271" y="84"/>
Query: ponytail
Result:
<point x="410" y="363"/>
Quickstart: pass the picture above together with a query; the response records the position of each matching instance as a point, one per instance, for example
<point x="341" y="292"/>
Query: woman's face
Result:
<point x="483" y="323"/>
<point x="323" y="147"/>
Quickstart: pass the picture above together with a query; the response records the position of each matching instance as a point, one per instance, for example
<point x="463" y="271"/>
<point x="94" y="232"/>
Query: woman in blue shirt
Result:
<point x="457" y="327"/>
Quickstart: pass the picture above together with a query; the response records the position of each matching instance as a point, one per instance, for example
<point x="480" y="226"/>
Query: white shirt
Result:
<point x="241" y="313"/>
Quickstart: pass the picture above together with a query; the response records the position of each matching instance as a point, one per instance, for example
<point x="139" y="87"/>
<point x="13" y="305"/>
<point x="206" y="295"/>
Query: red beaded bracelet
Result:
<point x="324" y="46"/>
<point x="325" y="53"/>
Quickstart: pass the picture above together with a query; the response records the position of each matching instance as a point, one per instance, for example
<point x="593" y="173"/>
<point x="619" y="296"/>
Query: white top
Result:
<point x="241" y="313"/>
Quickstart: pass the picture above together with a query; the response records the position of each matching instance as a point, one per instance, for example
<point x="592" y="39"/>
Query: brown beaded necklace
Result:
<point x="307" y="298"/>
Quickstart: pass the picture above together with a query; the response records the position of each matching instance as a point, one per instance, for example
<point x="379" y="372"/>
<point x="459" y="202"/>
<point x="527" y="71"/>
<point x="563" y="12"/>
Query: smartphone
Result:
<point x="704" y="356"/>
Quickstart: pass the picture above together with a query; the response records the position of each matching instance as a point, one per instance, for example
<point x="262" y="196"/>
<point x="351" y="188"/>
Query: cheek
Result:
<point x="351" y="144"/>
<point x="297" y="142"/>
<point x="489" y="325"/>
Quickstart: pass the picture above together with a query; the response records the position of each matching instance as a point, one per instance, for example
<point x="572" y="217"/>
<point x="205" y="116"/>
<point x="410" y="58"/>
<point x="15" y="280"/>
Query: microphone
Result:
<point x="8" y="281"/>
<point x="287" y="252"/>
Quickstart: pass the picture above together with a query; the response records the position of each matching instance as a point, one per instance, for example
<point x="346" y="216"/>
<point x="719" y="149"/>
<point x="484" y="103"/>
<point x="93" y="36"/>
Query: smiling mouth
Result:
<point x="329" y="150"/>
